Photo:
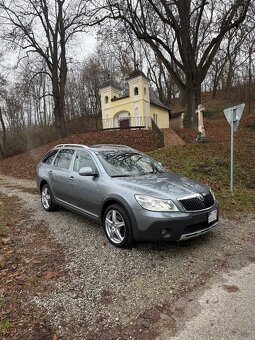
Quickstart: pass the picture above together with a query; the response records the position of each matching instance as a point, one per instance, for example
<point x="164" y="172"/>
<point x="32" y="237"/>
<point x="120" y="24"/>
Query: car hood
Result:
<point x="166" y="184"/>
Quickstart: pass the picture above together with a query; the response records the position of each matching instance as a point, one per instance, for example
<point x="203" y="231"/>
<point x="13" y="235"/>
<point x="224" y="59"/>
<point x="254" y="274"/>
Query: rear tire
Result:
<point x="47" y="199"/>
<point x="118" y="226"/>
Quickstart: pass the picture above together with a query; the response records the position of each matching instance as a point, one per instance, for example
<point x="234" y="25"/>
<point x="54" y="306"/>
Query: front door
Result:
<point x="86" y="192"/>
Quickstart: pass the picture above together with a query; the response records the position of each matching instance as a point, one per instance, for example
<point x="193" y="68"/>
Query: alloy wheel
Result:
<point x="115" y="226"/>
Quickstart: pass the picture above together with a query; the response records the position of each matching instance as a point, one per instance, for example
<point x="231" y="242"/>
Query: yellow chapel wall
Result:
<point x="162" y="115"/>
<point x="109" y="92"/>
<point x="130" y="104"/>
<point x="140" y="101"/>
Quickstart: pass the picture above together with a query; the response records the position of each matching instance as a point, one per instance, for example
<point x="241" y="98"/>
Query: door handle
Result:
<point x="71" y="178"/>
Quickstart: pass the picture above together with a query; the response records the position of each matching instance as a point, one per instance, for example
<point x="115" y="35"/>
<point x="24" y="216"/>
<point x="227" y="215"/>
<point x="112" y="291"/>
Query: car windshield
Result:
<point x="126" y="163"/>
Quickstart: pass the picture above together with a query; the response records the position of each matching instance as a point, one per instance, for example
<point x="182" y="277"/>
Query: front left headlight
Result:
<point x="155" y="204"/>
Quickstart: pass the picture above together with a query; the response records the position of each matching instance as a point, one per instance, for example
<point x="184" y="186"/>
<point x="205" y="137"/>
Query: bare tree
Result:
<point x="45" y="27"/>
<point x="232" y="65"/>
<point x="159" y="76"/>
<point x="226" y="61"/>
<point x="3" y="92"/>
<point x="248" y="48"/>
<point x="82" y="97"/>
<point x="124" y="53"/>
<point x="185" y="34"/>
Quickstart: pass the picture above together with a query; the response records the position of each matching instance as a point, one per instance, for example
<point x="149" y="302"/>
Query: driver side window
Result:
<point x="83" y="159"/>
<point x="63" y="159"/>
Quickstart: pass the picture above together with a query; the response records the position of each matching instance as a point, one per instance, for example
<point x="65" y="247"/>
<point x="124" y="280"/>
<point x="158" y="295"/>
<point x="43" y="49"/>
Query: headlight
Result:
<point x="155" y="204"/>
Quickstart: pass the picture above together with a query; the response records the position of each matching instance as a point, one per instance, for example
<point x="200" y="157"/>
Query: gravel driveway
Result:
<point x="111" y="293"/>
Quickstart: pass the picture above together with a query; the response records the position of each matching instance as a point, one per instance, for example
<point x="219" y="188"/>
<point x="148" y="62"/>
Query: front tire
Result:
<point x="117" y="226"/>
<point x="47" y="199"/>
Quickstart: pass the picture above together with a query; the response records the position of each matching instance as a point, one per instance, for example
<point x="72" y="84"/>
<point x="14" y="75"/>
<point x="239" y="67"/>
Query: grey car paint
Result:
<point x="90" y="195"/>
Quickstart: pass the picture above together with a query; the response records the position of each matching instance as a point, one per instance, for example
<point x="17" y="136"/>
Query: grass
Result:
<point x="237" y="204"/>
<point x="4" y="232"/>
<point x="210" y="164"/>
<point x="5" y="325"/>
<point x="2" y="266"/>
<point x="33" y="279"/>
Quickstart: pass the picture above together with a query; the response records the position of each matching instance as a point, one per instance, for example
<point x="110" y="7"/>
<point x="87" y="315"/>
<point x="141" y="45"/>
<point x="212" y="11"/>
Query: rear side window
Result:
<point x="49" y="157"/>
<point x="64" y="158"/>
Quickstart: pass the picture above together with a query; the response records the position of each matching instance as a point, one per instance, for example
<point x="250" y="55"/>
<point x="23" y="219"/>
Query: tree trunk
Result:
<point x="62" y="71"/>
<point x="191" y="107"/>
<point x="193" y="99"/>
<point x="4" y="144"/>
<point x="59" y="114"/>
<point x="59" y="103"/>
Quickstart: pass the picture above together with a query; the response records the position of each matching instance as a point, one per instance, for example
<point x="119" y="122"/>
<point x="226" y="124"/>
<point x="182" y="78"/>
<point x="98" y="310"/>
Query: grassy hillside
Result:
<point x="210" y="162"/>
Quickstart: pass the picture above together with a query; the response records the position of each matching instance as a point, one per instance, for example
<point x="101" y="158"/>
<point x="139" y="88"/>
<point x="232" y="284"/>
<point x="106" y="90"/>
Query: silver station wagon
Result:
<point x="129" y="193"/>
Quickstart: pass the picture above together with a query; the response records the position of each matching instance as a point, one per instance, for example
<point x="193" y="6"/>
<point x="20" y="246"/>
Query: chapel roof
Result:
<point x="156" y="101"/>
<point x="137" y="73"/>
<point x="110" y="83"/>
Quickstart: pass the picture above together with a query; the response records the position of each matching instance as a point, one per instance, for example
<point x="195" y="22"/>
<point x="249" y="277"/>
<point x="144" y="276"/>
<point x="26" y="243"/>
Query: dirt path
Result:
<point x="87" y="289"/>
<point x="224" y="311"/>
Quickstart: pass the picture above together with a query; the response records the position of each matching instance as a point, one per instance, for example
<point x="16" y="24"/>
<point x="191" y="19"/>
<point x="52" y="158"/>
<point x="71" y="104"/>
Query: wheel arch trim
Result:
<point x="116" y="199"/>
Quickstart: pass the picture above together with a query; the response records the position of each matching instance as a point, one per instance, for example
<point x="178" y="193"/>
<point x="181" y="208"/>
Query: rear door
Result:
<point x="60" y="173"/>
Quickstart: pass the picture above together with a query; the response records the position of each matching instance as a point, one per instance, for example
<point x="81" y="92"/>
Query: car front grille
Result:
<point x="195" y="203"/>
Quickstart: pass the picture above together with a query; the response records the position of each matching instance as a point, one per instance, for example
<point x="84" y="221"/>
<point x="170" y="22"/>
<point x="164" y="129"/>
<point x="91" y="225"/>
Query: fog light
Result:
<point x="166" y="233"/>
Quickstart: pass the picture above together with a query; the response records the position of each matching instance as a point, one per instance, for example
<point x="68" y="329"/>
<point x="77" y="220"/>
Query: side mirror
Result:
<point x="87" y="171"/>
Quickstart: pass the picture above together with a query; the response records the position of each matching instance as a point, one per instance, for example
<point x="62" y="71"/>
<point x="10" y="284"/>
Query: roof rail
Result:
<point x="71" y="146"/>
<point x="111" y="146"/>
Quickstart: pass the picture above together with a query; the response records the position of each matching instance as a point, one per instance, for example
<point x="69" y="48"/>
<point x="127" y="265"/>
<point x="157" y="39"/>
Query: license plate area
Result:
<point x="212" y="216"/>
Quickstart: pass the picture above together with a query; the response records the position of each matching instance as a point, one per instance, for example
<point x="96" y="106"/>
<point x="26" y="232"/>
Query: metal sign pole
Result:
<point x="233" y="115"/>
<point x="232" y="150"/>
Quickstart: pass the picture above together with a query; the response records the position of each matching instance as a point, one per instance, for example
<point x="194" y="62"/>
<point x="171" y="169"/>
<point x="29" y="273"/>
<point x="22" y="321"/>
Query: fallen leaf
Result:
<point x="50" y="275"/>
<point x="6" y="240"/>
<point x="10" y="224"/>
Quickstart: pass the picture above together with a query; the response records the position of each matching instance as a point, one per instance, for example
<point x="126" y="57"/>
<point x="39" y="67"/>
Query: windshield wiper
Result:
<point x="123" y="175"/>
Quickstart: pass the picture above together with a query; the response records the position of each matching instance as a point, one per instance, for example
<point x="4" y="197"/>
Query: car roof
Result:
<point x="59" y="146"/>
<point x="112" y="147"/>
<point x="96" y="147"/>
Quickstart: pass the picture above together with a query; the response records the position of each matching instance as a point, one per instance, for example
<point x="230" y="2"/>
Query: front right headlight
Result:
<point x="212" y="194"/>
<point x="155" y="204"/>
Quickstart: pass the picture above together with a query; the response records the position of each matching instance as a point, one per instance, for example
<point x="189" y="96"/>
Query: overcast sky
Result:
<point x="79" y="48"/>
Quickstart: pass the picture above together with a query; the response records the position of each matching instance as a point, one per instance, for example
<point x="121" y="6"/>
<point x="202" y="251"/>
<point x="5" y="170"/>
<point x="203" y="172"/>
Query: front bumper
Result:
<point x="154" y="226"/>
